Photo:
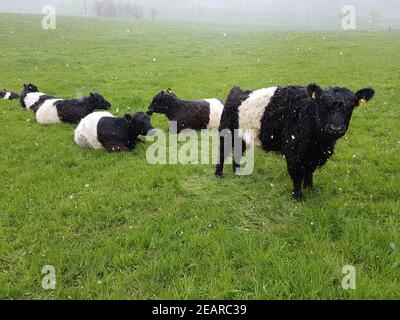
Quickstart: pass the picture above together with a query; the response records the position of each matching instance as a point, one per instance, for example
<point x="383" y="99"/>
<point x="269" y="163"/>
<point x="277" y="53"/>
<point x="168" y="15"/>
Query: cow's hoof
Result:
<point x="298" y="197"/>
<point x="308" y="185"/>
<point x="219" y="174"/>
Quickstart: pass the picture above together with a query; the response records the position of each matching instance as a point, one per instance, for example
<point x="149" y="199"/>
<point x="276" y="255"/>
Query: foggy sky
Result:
<point x="230" y="11"/>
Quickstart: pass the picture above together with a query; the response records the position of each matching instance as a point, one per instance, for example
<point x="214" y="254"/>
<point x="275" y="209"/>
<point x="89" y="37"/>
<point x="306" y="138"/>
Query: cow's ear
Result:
<point x="364" y="95"/>
<point x="314" y="91"/>
<point x="171" y="92"/>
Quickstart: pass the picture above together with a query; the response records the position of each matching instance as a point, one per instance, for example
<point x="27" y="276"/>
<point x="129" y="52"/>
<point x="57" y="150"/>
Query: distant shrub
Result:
<point x="105" y="8"/>
<point x="138" y="11"/>
<point x="153" y="13"/>
<point x="121" y="9"/>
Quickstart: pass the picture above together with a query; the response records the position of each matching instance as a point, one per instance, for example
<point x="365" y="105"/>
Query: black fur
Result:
<point x="69" y="111"/>
<point x="28" y="88"/>
<point x="302" y="123"/>
<point x="121" y="134"/>
<point x="188" y="114"/>
<point x="73" y="111"/>
<point x="13" y="95"/>
<point x="230" y="122"/>
<point x="35" y="107"/>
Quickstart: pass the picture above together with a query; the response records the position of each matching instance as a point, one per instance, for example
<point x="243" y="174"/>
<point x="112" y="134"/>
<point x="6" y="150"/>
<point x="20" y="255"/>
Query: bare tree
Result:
<point x="153" y="13"/>
<point x="85" y="11"/>
<point x="125" y="9"/>
<point x="138" y="12"/>
<point x="375" y="15"/>
<point x="105" y="8"/>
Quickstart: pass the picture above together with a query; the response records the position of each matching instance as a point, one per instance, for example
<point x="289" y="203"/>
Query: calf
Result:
<point x="302" y="123"/>
<point x="8" y="95"/>
<point x="196" y="115"/>
<point x="50" y="110"/>
<point x="101" y="130"/>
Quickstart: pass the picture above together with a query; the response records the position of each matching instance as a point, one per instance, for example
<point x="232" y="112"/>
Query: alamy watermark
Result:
<point x="349" y="18"/>
<point x="49" y="20"/>
<point x="190" y="147"/>
<point x="49" y="280"/>
<point x="349" y="280"/>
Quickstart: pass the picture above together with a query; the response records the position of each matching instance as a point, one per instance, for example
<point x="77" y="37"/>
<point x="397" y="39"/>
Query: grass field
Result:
<point x="115" y="227"/>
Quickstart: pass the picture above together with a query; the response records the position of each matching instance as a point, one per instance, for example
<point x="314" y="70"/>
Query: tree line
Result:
<point x="121" y="9"/>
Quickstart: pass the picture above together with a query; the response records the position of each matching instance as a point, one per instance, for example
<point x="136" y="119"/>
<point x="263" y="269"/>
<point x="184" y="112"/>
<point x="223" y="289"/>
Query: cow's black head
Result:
<point x="161" y="102"/>
<point x="30" y="88"/>
<point x="140" y="122"/>
<point x="336" y="106"/>
<point x="99" y="102"/>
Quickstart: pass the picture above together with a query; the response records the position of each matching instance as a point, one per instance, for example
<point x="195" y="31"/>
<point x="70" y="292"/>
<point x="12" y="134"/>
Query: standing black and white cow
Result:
<point x="8" y="95"/>
<point x="101" y="130"/>
<point x="303" y="123"/>
<point x="196" y="115"/>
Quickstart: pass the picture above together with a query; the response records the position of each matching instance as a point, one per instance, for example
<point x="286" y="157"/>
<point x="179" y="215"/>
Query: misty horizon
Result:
<point x="316" y="14"/>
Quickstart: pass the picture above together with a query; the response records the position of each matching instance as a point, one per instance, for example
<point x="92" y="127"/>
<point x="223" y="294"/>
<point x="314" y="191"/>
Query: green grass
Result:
<point x="115" y="227"/>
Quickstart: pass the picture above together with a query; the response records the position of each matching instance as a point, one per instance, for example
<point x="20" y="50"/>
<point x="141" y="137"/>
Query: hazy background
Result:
<point x="271" y="14"/>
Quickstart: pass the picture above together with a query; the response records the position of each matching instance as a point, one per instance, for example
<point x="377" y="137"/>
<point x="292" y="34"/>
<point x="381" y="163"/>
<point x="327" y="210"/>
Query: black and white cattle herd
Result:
<point x="302" y="123"/>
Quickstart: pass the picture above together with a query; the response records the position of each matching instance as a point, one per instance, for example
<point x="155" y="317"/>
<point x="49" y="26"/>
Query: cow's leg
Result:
<point x="310" y="168"/>
<point x="308" y="179"/>
<point x="296" y="171"/>
<point x="239" y="149"/>
<point x="219" y="171"/>
<point x="224" y="141"/>
<point x="296" y="193"/>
